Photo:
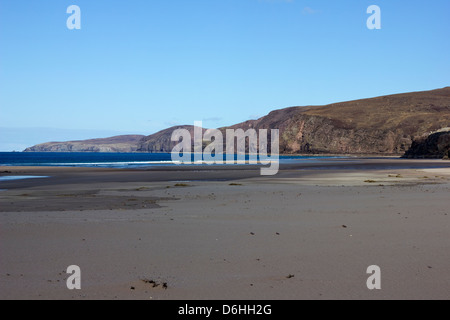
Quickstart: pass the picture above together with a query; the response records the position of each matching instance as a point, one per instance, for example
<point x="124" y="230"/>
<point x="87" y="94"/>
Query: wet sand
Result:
<point x="227" y="233"/>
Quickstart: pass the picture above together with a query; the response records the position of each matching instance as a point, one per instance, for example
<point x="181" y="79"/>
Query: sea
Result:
<point x="108" y="160"/>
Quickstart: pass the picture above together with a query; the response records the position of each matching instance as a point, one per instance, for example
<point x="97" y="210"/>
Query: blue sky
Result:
<point x="139" y="66"/>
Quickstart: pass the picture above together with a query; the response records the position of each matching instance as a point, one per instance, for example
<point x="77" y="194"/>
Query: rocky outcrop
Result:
<point x="435" y="146"/>
<point x="385" y="125"/>
<point x="126" y="143"/>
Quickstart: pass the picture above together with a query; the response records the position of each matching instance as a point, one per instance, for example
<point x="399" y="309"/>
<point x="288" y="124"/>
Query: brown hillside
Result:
<point x="384" y="125"/>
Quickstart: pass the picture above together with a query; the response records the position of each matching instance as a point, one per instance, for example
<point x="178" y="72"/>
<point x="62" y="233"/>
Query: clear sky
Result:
<point x="138" y="66"/>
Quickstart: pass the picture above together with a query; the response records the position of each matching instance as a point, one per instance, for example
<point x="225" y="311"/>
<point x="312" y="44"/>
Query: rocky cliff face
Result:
<point x="435" y="145"/>
<point x="384" y="125"/>
<point x="127" y="143"/>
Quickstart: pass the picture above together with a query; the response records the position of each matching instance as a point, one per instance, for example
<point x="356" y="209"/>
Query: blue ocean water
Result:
<point x="106" y="160"/>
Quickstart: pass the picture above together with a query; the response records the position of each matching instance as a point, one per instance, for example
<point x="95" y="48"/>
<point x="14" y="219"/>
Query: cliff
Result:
<point x="126" y="143"/>
<point x="385" y="125"/>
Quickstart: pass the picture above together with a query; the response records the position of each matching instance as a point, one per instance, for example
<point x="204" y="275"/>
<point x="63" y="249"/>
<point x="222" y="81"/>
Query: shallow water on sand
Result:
<point x="9" y="178"/>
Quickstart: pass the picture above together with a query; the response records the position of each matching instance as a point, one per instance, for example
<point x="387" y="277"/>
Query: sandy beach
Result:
<point x="202" y="232"/>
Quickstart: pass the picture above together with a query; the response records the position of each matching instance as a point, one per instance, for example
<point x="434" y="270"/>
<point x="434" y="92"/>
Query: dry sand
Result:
<point x="308" y="233"/>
